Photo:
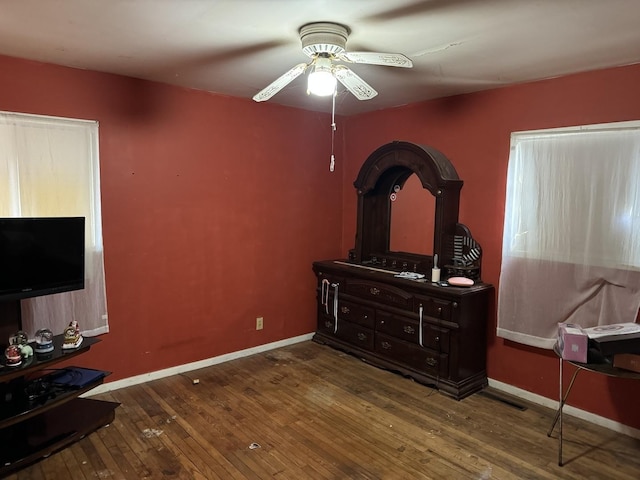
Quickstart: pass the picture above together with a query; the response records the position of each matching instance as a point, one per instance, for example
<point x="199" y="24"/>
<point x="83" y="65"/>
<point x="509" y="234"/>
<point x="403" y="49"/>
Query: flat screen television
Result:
<point x="40" y="256"/>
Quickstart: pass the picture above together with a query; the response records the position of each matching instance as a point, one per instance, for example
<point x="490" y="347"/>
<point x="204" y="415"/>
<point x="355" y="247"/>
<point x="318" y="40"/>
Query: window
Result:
<point x="49" y="167"/>
<point x="571" y="243"/>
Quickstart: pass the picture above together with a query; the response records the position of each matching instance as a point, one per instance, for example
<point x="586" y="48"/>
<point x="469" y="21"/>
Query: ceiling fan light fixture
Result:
<point x="321" y="81"/>
<point x="324" y="42"/>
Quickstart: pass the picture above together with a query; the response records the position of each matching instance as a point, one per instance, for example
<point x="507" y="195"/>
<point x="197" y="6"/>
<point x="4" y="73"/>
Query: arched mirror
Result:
<point x="413" y="213"/>
<point x="408" y="200"/>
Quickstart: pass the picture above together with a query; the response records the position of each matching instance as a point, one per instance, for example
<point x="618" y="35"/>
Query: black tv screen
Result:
<point x="40" y="256"/>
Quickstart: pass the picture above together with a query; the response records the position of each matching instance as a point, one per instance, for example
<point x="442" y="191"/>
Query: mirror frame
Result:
<point x="390" y="165"/>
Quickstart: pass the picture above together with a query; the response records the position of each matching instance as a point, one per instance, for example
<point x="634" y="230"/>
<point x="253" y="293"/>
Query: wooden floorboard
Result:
<point x="308" y="411"/>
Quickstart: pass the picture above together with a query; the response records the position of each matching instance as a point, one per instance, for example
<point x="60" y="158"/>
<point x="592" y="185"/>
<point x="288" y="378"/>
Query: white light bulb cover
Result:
<point x="321" y="81"/>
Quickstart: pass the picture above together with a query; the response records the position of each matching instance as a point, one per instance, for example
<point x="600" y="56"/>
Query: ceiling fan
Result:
<point x="325" y="43"/>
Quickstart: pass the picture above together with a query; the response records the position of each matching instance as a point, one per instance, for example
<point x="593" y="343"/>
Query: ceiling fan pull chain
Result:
<point x="332" y="165"/>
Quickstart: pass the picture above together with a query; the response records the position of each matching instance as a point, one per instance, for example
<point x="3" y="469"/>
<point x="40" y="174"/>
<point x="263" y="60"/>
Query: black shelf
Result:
<point x="44" y="434"/>
<point x="35" y="426"/>
<point x="41" y="360"/>
<point x="20" y="408"/>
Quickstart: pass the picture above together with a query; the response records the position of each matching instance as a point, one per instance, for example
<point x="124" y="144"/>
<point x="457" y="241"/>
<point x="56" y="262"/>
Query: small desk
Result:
<point x="601" y="368"/>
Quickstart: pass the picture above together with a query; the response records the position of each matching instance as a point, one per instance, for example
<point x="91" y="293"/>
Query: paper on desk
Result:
<point x="410" y="275"/>
<point x="613" y="329"/>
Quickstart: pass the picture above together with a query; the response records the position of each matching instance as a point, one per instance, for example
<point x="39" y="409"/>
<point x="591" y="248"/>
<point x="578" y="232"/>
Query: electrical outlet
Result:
<point x="259" y="323"/>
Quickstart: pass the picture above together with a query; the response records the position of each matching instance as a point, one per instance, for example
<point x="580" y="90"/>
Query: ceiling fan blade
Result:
<point x="281" y="82"/>
<point x="357" y="86"/>
<point x="419" y="7"/>
<point x="377" y="58"/>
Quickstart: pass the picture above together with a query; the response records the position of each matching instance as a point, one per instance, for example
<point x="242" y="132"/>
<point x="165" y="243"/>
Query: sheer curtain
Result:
<point x="571" y="244"/>
<point x="49" y="167"/>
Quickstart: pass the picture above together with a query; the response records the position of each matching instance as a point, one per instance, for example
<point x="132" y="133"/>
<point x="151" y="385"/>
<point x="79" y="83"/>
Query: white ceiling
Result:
<point x="238" y="47"/>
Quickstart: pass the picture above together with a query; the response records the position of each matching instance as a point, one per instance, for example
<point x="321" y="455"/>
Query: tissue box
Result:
<point x="573" y="342"/>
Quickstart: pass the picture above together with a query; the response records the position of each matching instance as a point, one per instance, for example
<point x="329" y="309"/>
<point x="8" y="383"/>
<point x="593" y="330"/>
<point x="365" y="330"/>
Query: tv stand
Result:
<point x="34" y="426"/>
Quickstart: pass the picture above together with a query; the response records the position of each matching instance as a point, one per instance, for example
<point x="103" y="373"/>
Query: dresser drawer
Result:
<point x="356" y="313"/>
<point x="435" y="338"/>
<point x="356" y="334"/>
<point x="407" y="329"/>
<point x="414" y="356"/>
<point x="326" y="291"/>
<point x="353" y="333"/>
<point x="397" y="326"/>
<point x="379" y="292"/>
<point x="326" y="323"/>
<point x="329" y="277"/>
<point x="435" y="307"/>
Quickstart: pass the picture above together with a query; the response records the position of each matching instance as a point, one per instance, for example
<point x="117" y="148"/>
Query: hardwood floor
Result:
<point x="310" y="412"/>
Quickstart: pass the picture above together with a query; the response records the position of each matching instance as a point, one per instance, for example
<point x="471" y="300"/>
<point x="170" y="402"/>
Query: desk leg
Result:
<point x="560" y="407"/>
<point x="562" y="399"/>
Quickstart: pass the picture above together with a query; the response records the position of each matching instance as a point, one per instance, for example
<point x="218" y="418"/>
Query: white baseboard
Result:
<point x="568" y="409"/>
<point x="505" y="387"/>
<point x="147" y="377"/>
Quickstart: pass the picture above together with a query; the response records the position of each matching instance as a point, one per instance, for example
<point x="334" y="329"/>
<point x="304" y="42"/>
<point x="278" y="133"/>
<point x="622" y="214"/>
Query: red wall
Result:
<point x="473" y="131"/>
<point x="213" y="210"/>
<point x="214" y="207"/>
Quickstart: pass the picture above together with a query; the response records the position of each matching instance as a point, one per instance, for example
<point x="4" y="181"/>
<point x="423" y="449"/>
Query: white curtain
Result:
<point x="571" y="244"/>
<point x="49" y="167"/>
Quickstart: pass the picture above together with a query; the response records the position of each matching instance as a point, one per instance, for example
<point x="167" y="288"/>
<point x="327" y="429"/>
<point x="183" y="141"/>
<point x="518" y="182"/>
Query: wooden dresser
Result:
<point x="434" y="334"/>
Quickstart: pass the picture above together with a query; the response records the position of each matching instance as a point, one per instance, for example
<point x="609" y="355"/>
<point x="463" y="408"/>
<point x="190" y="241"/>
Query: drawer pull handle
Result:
<point x="335" y="306"/>
<point x="362" y="337"/>
<point x="432" y="362"/>
<point x="437" y="339"/>
<point x="439" y="310"/>
<point x="420" y="314"/>
<point x="386" y="345"/>
<point x="374" y="291"/>
<point x="409" y="329"/>
<point x="455" y="304"/>
<point x="345" y="310"/>
<point x="324" y="294"/>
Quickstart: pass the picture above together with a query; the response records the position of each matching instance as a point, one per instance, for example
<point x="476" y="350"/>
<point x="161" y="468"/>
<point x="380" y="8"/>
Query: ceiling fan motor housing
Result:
<point x="323" y="37"/>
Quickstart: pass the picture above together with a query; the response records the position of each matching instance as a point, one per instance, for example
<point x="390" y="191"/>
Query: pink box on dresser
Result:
<point x="572" y="342"/>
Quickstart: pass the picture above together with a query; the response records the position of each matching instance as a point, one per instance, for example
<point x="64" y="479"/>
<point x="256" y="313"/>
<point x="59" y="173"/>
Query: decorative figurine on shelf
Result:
<point x="19" y="338"/>
<point x="72" y="336"/>
<point x="20" y="341"/>
<point x="13" y="355"/>
<point x="26" y="351"/>
<point x="44" y="341"/>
